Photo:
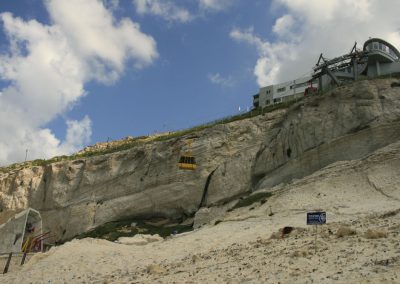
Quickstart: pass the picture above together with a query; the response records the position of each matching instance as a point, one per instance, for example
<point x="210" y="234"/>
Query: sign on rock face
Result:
<point x="316" y="218"/>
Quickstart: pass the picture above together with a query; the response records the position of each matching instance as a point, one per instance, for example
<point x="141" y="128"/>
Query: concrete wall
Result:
<point x="374" y="70"/>
<point x="384" y="68"/>
<point x="8" y="232"/>
<point x="265" y="95"/>
<point x="13" y="234"/>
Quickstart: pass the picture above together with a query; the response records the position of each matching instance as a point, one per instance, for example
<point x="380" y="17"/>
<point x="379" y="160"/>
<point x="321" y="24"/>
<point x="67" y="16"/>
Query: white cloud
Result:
<point x="78" y="132"/>
<point x="309" y="27"/>
<point x="268" y="65"/>
<point x="165" y="9"/>
<point x="220" y="80"/>
<point x="47" y="66"/>
<point x="215" y="5"/>
<point x="283" y="26"/>
<point x="170" y="11"/>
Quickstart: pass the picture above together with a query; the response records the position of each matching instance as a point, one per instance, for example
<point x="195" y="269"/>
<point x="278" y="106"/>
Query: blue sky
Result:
<point x="164" y="65"/>
<point x="175" y="91"/>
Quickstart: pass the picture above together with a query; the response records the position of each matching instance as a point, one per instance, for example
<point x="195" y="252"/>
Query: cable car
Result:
<point x="187" y="161"/>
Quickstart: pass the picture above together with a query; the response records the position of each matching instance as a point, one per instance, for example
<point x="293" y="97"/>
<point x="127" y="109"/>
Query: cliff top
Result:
<point x="103" y="148"/>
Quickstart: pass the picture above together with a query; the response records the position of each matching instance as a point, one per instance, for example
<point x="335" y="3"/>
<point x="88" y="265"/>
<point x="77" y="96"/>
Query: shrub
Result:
<point x="345" y="231"/>
<point x="375" y="234"/>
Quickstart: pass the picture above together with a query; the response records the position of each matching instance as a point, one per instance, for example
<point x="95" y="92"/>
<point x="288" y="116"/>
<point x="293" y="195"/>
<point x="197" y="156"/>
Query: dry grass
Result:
<point x="375" y="234"/>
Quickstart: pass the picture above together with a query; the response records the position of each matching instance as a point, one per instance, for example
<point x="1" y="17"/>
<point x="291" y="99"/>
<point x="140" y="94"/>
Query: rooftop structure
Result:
<point x="377" y="58"/>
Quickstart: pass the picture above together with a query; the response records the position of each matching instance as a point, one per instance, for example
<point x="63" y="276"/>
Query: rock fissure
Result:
<point x="205" y="190"/>
<point x="81" y="173"/>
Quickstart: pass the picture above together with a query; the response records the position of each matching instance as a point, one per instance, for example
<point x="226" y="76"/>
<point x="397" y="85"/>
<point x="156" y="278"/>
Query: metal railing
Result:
<point x="31" y="245"/>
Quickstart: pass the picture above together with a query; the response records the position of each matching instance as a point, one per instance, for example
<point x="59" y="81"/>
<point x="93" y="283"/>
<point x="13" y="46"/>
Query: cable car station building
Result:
<point x="282" y="92"/>
<point x="377" y="58"/>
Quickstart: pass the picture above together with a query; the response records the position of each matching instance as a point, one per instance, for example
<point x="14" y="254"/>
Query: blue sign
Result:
<point x="316" y="218"/>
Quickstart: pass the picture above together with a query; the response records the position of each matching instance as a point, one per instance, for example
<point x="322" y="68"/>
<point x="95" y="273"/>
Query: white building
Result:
<point x="282" y="92"/>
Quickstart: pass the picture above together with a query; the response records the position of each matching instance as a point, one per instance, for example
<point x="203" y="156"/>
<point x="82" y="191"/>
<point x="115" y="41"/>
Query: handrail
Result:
<point x="31" y="242"/>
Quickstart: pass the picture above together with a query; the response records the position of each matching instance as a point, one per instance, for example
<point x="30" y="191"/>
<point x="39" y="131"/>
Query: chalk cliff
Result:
<point x="233" y="159"/>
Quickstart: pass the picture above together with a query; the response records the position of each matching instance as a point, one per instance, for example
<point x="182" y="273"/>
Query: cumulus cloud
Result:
<point x="218" y="79"/>
<point x="163" y="8"/>
<point x="78" y="132"/>
<point x="46" y="67"/>
<point x="215" y="5"/>
<point x="309" y="27"/>
<point x="283" y="26"/>
<point x="268" y="65"/>
<point x="170" y="11"/>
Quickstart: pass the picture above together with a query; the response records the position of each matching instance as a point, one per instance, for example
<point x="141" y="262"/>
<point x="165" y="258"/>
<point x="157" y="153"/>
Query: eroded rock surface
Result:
<point x="75" y="196"/>
<point x="347" y="123"/>
<point x="233" y="159"/>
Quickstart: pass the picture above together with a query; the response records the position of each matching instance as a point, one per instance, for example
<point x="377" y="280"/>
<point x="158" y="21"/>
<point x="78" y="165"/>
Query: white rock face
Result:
<point x="277" y="147"/>
<point x="345" y="124"/>
<point x="75" y="196"/>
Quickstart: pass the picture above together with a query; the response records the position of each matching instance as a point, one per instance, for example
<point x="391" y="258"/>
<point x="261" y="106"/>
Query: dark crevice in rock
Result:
<point x="205" y="190"/>
<point x="80" y="176"/>
<point x="289" y="152"/>
<point x="46" y="182"/>
<point x="358" y="128"/>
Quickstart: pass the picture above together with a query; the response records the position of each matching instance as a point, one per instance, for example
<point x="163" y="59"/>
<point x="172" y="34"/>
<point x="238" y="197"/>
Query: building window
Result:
<point x="267" y="102"/>
<point x="268" y="92"/>
<point x="391" y="52"/>
<point x="301" y="85"/>
<point x="281" y="89"/>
